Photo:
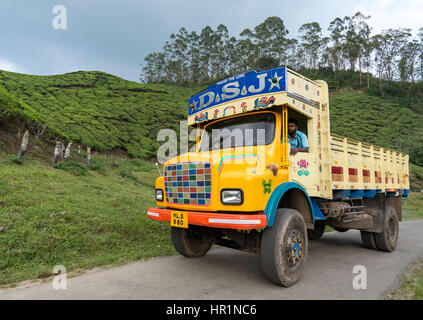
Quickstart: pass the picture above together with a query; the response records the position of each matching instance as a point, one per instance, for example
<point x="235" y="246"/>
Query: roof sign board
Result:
<point x="239" y="86"/>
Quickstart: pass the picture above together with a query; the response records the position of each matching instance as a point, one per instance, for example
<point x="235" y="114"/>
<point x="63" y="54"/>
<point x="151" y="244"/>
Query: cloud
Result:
<point x="9" y="66"/>
<point x="387" y="14"/>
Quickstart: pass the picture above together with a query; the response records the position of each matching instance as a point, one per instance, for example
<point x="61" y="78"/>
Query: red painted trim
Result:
<point x="352" y="171"/>
<point x="202" y="219"/>
<point x="337" y="170"/>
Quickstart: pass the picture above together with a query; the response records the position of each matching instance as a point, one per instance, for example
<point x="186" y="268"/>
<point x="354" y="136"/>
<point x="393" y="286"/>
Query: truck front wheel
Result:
<point x="284" y="248"/>
<point x="190" y="242"/>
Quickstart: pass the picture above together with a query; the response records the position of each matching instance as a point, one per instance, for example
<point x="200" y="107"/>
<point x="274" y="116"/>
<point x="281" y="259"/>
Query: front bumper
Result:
<point x="214" y="220"/>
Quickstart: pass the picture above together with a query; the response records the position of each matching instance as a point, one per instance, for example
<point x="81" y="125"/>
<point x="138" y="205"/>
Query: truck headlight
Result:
<point x="159" y="194"/>
<point x="232" y="196"/>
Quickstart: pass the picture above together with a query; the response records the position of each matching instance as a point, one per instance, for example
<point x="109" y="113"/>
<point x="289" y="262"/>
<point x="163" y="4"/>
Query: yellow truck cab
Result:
<point x="243" y="188"/>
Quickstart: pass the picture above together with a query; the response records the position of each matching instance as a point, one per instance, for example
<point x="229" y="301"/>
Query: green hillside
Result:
<point x="376" y="120"/>
<point x="100" y="110"/>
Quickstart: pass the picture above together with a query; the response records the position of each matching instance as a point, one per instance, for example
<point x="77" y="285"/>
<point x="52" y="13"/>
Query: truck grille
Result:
<point x="188" y="183"/>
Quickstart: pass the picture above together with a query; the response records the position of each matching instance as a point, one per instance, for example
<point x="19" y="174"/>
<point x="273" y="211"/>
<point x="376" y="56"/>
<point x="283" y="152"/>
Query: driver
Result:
<point x="297" y="139"/>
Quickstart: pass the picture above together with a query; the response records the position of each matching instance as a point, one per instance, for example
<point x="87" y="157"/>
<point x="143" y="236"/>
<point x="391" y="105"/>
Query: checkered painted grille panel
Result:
<point x="188" y="183"/>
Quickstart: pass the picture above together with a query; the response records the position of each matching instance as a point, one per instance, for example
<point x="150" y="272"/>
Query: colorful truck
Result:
<point x="241" y="187"/>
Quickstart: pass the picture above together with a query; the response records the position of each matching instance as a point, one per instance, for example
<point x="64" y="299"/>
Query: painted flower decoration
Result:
<point x="303" y="163"/>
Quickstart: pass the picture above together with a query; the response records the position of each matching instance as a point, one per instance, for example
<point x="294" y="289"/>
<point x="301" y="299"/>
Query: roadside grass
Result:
<point x="53" y="217"/>
<point x="413" y="207"/>
<point x="411" y="284"/>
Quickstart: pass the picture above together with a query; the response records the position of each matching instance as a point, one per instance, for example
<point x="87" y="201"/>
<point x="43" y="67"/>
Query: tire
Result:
<point x="317" y="233"/>
<point x="284" y="248"/>
<point x="341" y="229"/>
<point x="190" y="242"/>
<point x="368" y="239"/>
<point x="388" y="239"/>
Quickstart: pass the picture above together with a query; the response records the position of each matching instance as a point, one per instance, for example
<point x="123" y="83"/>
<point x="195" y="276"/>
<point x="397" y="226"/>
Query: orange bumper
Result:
<point x="214" y="220"/>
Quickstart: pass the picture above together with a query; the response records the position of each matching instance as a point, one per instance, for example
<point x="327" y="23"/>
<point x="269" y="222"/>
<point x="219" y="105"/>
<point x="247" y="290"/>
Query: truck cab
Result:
<point x="242" y="188"/>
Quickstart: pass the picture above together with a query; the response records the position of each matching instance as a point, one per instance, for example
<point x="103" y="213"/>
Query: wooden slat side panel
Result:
<point x="365" y="166"/>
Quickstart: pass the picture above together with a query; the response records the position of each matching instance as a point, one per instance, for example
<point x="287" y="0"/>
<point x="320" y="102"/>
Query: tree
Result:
<point x="407" y="64"/>
<point x="206" y="45"/>
<point x="270" y="38"/>
<point x="179" y="55"/>
<point x="420" y="35"/>
<point x="311" y="40"/>
<point x="358" y="38"/>
<point x="219" y="59"/>
<point x="266" y="62"/>
<point x="388" y="46"/>
<point x="154" y="69"/>
<point x="246" y="52"/>
<point x="194" y="55"/>
<point x="336" y="48"/>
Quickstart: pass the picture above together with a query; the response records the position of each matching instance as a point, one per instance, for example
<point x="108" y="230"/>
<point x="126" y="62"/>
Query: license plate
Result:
<point x="179" y="219"/>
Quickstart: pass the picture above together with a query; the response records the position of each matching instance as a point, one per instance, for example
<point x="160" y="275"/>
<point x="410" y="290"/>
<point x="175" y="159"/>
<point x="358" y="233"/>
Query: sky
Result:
<point x="114" y="36"/>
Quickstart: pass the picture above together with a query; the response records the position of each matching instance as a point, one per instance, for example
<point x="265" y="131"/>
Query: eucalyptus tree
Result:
<point x="245" y="52"/>
<point x="270" y="37"/>
<point x="311" y="40"/>
<point x="420" y="36"/>
<point x="233" y="56"/>
<point x="206" y="45"/>
<point x="179" y="54"/>
<point x="407" y="64"/>
<point x="359" y="42"/>
<point x="154" y="68"/>
<point x="219" y="59"/>
<point x="194" y="56"/>
<point x="295" y="53"/>
<point x="388" y="46"/>
<point x="336" y="48"/>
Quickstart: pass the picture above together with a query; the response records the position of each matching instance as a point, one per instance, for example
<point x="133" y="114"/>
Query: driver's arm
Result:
<point x="304" y="144"/>
<point x="296" y="150"/>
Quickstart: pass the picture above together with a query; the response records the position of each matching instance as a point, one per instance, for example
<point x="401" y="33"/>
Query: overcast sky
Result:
<point x="114" y="36"/>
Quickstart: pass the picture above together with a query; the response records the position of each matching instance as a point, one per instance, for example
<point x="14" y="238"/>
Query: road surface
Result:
<point x="229" y="274"/>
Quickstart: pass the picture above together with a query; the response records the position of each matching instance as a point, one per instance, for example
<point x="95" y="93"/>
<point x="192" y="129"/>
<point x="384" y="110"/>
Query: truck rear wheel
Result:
<point x="368" y="239"/>
<point x="317" y="233"/>
<point x="284" y="248"/>
<point x="387" y="240"/>
<point x="190" y="242"/>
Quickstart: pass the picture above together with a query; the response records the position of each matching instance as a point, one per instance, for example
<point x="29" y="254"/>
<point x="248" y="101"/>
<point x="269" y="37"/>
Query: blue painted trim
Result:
<point x="318" y="215"/>
<point x="369" y="194"/>
<point x="391" y="194"/>
<point x="276" y="196"/>
<point x="356" y="194"/>
<point x="405" y="193"/>
<point x="345" y="192"/>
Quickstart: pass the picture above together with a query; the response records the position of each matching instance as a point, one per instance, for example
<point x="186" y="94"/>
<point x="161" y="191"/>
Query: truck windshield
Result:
<point x="250" y="130"/>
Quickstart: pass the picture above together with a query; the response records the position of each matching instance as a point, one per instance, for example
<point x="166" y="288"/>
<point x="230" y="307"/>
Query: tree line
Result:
<point x="192" y="58"/>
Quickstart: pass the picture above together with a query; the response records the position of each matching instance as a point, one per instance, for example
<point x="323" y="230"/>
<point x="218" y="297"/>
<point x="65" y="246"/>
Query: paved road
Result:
<point x="230" y="274"/>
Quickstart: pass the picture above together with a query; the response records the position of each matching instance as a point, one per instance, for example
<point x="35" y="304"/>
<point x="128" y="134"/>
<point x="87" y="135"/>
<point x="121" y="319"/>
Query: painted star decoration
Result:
<point x="274" y="82"/>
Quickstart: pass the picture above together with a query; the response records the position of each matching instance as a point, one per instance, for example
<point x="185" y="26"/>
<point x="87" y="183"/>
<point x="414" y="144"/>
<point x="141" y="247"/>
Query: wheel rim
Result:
<point x="294" y="248"/>
<point x="392" y="231"/>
